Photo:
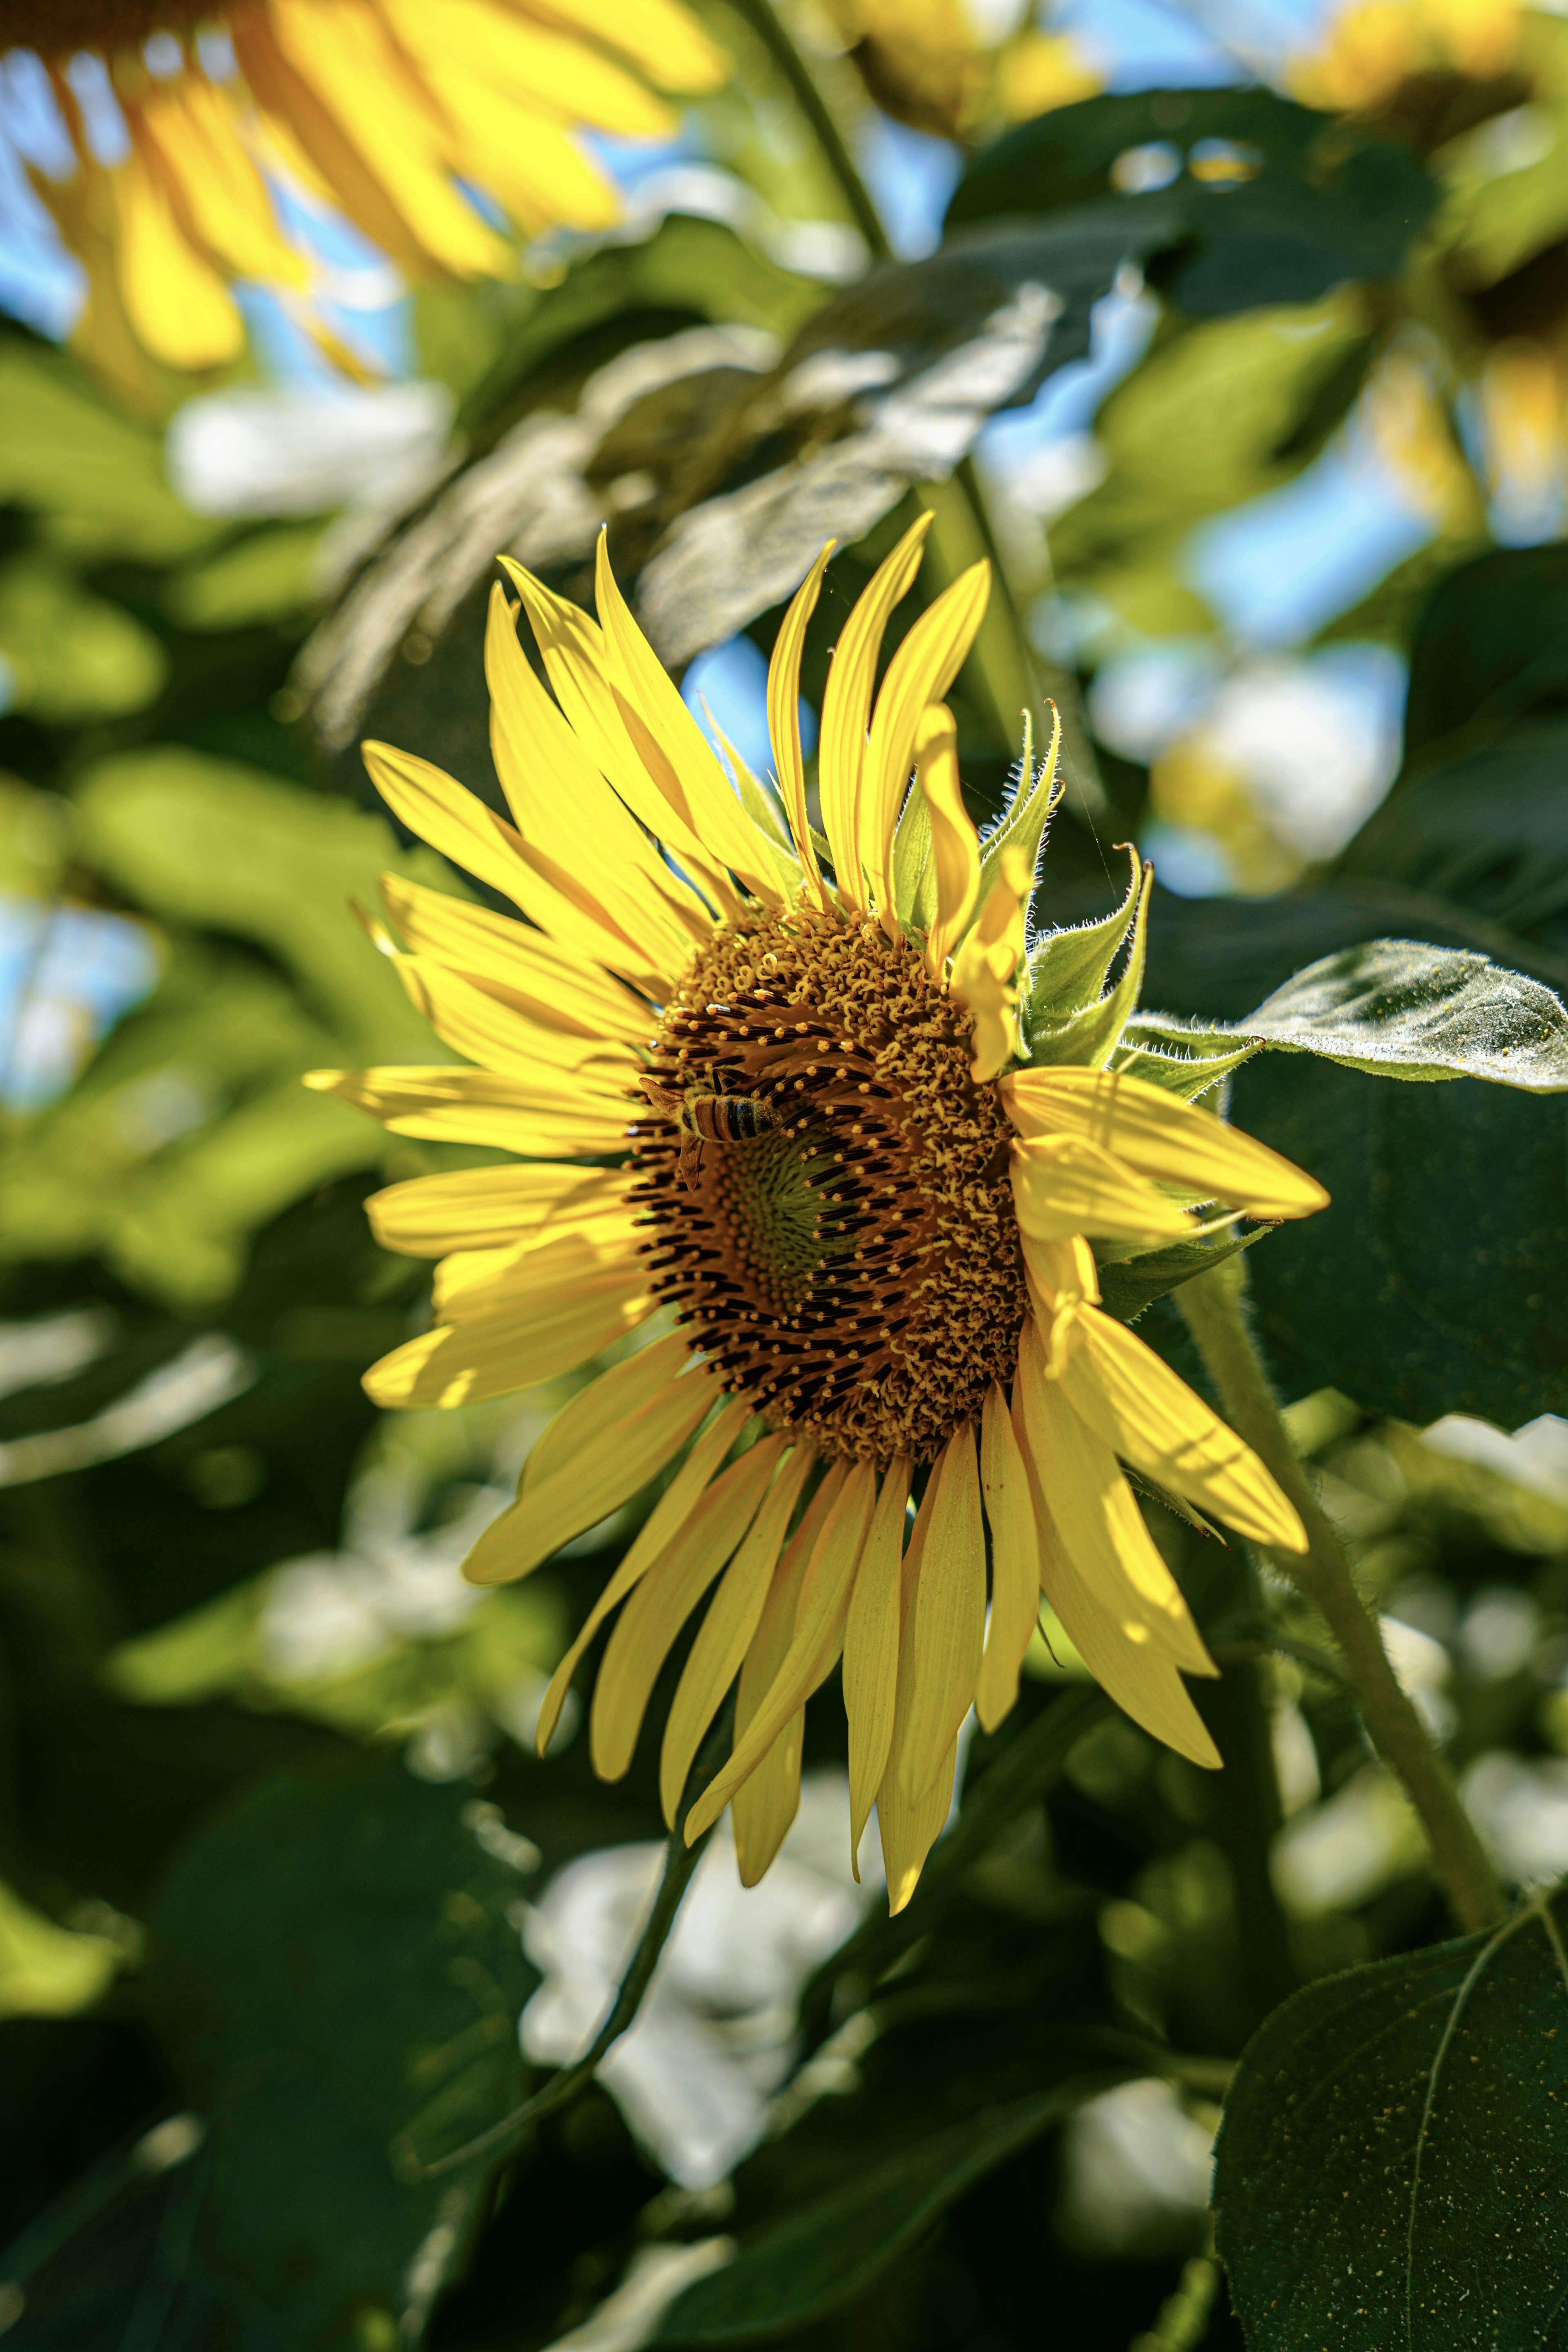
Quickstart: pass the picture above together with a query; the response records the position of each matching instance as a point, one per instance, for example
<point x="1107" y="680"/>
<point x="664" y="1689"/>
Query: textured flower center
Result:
<point x="828" y="1189"/>
<point x="59" y="26"/>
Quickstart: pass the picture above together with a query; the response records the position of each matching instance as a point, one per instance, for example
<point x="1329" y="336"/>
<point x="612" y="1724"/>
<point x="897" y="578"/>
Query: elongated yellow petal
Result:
<point x="1096" y="1518"/>
<point x="820" y="1613"/>
<point x="501" y="1037"/>
<point x="448" y="1105"/>
<point x="178" y="303"/>
<point x="457" y="823"/>
<point x="956" y="845"/>
<point x="847" y="707"/>
<point x="577" y="1309"/>
<point x="489" y="1208"/>
<point x="1014" y="1563"/>
<point x="872" y="1649"/>
<point x="919" y="675"/>
<point x="673" y="747"/>
<point x="607" y="1401"/>
<point x="612" y="1460"/>
<point x="567" y="814"/>
<point x="765" y="1802"/>
<point x="581" y="666"/>
<point x="910" y="1830"/>
<point x="525" y="59"/>
<point x="1153" y="1420"/>
<point x="985" y="967"/>
<point x="477" y="1279"/>
<point x="664" y="1598"/>
<point x="1066" y="1184"/>
<point x="518" y="965"/>
<point x="1161" y="1136"/>
<point x="193" y="144"/>
<point x="726" y="1632"/>
<point x="947" y="1625"/>
<point x="666" y="41"/>
<point x="663" y="1524"/>
<point x="1113" y="1642"/>
<point x="783" y="717"/>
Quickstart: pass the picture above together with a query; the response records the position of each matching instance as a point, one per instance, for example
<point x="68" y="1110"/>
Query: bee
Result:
<point x="706" y="1118"/>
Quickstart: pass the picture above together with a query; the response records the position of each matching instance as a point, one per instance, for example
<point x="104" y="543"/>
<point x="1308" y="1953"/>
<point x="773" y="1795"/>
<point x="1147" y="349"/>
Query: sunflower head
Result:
<point x="805" y="1110"/>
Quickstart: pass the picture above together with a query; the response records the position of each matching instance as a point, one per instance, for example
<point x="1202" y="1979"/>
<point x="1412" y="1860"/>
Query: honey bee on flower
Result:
<point x="893" y="1407"/>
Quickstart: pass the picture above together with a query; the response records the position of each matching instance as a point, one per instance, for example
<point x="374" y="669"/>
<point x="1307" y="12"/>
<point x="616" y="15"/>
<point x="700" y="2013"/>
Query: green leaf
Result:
<point x="1182" y="1058"/>
<point x="336" y="1980"/>
<point x="829" y="2252"/>
<point x="1390" y="2163"/>
<point x="1313" y="202"/>
<point x="1400" y="1010"/>
<point x="1127" y="1285"/>
<point x="72" y="657"/>
<point x="1493" y="646"/>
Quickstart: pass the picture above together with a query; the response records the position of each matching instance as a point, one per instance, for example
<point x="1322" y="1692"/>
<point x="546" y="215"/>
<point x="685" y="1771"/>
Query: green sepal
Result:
<point x="1033" y="802"/>
<point x="1071" y="964"/>
<point x="914" y="870"/>
<point x="1128" y="1285"/>
<point x="1183" y="1058"/>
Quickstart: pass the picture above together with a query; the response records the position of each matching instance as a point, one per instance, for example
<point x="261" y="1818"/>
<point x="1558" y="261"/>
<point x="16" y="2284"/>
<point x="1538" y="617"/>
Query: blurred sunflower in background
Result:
<point x="872" y="1225"/>
<point x="947" y="66"/>
<point x="389" y="110"/>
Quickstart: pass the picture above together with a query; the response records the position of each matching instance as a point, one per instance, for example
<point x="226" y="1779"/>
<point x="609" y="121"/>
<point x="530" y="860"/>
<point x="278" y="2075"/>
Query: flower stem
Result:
<point x="764" y="21"/>
<point x="1212" y="1307"/>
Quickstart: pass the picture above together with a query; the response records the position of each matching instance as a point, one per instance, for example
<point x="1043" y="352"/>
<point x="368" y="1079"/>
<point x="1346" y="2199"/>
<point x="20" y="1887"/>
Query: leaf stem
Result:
<point x="1212" y="1307"/>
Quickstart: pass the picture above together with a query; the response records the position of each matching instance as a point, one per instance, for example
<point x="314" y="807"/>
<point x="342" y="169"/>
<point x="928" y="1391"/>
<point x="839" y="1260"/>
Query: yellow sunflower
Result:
<point x="766" y="1090"/>
<point x="378" y="106"/>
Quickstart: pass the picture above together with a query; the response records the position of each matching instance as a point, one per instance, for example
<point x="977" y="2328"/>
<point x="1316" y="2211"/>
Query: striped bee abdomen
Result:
<point x="726" y="1118"/>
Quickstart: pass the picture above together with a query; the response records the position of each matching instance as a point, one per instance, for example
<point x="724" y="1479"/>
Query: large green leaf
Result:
<point x="1400" y="1010"/>
<point x="831" y="2249"/>
<point x="1311" y="202"/>
<point x="1391" y="2168"/>
<point x="337" y="1983"/>
<point x="1430" y="1283"/>
<point x="1492" y="644"/>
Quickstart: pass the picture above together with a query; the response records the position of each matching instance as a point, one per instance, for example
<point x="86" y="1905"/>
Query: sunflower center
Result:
<point x="827" y="1189"/>
<point x="58" y="27"/>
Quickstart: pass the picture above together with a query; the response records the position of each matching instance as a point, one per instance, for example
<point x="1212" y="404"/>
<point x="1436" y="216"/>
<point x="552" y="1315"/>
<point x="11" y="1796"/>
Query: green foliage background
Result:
<point x="259" y="1960"/>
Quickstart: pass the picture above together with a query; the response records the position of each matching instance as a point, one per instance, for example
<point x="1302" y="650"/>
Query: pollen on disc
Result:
<point x="854" y="1269"/>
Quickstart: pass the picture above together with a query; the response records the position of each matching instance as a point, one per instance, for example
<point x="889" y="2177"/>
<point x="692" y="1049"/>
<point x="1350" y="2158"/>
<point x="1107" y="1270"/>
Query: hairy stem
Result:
<point x="1212" y="1307"/>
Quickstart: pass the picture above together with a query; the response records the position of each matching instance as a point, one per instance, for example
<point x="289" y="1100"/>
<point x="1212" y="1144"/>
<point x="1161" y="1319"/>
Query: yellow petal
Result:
<point x="1098" y="1523"/>
<point x="872" y="1649"/>
<point x="1115" y="1645"/>
<point x="572" y="822"/>
<point x="920" y="674"/>
<point x="673" y="747"/>
<point x="765" y="1802"/>
<point x="985" y="967"/>
<point x="947" y="1623"/>
<point x="1014" y="1563"/>
<point x="575" y="1309"/>
<point x="491" y="1208"/>
<point x="1153" y="1420"/>
<point x="178" y="303"/>
<point x="627" y="1442"/>
<point x="1161" y="1136"/>
<point x="529" y="61"/>
<point x="498" y="1036"/>
<point x="1066" y="1184"/>
<point x="847" y="707"/>
<point x="783" y="717"/>
<point x="192" y="140"/>
<point x="726" y="1632"/>
<point x="823" y="1604"/>
<point x="956" y="845"/>
<point x="664" y="1598"/>
<point x="458" y="824"/>
<point x="663" y="1524"/>
<point x="448" y="1105"/>
<point x="664" y="39"/>
<point x="472" y="1281"/>
<point x="910" y="1830"/>
<point x="518" y="965"/>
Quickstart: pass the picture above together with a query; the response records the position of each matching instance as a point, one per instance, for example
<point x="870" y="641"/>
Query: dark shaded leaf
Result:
<point x="1492" y="644"/>
<point x="1314" y="200"/>
<point x="1128" y="1285"/>
<point x="1400" y="1010"/>
<point x="823" y="2255"/>
<point x="1392" y="2165"/>
<point x="337" y="1984"/>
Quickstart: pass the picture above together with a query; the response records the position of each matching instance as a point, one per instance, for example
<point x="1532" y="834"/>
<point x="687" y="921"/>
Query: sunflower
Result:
<point x="767" y="1095"/>
<point x="378" y="106"/>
